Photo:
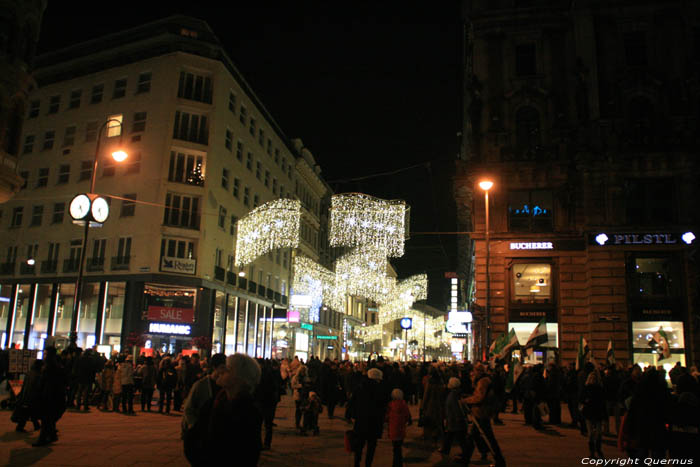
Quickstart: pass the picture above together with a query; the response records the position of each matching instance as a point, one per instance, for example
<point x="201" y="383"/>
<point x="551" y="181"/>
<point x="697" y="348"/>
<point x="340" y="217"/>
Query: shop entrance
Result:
<point x="168" y="344"/>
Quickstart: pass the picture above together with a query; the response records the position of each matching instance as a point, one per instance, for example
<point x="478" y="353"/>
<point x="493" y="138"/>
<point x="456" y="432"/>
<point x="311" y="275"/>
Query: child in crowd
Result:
<point x="313" y="408"/>
<point x="398" y="417"/>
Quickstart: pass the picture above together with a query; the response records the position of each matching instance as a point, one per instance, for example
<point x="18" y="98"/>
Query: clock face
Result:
<point x="79" y="207"/>
<point x="100" y="209"/>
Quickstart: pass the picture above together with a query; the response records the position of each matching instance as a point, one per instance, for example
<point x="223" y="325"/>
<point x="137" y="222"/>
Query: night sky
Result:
<point x="370" y="87"/>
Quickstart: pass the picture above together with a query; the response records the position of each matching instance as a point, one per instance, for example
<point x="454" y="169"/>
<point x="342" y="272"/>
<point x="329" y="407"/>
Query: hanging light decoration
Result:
<point x="310" y="278"/>
<point x="362" y="220"/>
<point x="371" y="333"/>
<point x="402" y="298"/>
<point x="275" y="224"/>
<point x="362" y="272"/>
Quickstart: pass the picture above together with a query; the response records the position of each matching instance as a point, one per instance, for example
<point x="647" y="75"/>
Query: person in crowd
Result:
<point x="267" y="396"/>
<point x="398" y="417"/>
<point x="180" y="387"/>
<point x="481" y="411"/>
<point x="284" y="373"/>
<point x="29" y="399"/>
<point x="300" y="386"/>
<point x="553" y="387"/>
<point x="197" y="411"/>
<point x="571" y="391"/>
<point x="126" y="374"/>
<point x="235" y="422"/>
<point x="117" y="387"/>
<point x="147" y="372"/>
<point x="167" y="380"/>
<point x="456" y="423"/>
<point x="611" y="387"/>
<point x="52" y="403"/>
<point x="594" y="412"/>
<point x="312" y="408"/>
<point x="86" y="368"/>
<point x="193" y="372"/>
<point x="433" y="408"/>
<point x="582" y="377"/>
<point x="330" y="386"/>
<point x="368" y="408"/>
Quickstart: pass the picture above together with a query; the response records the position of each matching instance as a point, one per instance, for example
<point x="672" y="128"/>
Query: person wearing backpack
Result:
<point x="483" y="404"/>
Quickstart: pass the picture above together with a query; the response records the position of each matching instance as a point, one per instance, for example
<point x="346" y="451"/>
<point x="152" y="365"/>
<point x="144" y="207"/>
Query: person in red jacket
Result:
<point x="398" y="417"/>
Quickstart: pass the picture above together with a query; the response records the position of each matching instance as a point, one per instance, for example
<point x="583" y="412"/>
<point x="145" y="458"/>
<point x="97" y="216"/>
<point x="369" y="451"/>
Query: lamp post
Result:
<point x="118" y="156"/>
<point x="486" y="185"/>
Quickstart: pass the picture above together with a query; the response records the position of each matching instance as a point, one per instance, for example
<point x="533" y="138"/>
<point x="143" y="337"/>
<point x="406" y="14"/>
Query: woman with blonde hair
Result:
<point x="592" y="409"/>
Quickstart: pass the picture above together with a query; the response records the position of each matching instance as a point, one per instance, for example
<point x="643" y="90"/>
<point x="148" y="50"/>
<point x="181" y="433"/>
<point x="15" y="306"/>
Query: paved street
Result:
<point x="97" y="439"/>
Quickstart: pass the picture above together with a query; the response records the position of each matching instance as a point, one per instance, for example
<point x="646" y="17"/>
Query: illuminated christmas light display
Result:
<point x="362" y="220"/>
<point x="319" y="283"/>
<point x="276" y="224"/>
<point x="362" y="272"/>
<point x="402" y="297"/>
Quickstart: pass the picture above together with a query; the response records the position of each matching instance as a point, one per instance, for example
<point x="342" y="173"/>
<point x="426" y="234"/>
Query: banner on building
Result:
<point x="169" y="304"/>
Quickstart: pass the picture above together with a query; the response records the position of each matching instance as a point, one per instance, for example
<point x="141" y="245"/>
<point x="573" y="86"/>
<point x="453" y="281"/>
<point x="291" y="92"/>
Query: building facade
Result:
<point x="19" y="32"/>
<point x="584" y="117"/>
<point x="203" y="152"/>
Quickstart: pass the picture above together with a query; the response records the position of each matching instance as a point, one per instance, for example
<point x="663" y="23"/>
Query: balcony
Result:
<point x="48" y="267"/>
<point x="7" y="269"/>
<point x="71" y="265"/>
<point x="270" y="294"/>
<point x="24" y="268"/>
<point x="278" y="297"/>
<point x="261" y="290"/>
<point x="284" y="299"/>
<point x="95" y="264"/>
<point x="120" y="263"/>
<point x="243" y="283"/>
<point x="231" y="278"/>
<point x="252" y="287"/>
<point x="219" y="273"/>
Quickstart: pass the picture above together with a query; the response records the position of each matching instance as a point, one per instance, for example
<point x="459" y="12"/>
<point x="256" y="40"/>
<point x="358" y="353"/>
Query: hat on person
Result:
<point x="453" y="383"/>
<point x="375" y="373"/>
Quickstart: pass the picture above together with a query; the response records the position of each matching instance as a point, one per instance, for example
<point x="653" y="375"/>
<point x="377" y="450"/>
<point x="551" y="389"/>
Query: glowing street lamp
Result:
<point x="486" y="185"/>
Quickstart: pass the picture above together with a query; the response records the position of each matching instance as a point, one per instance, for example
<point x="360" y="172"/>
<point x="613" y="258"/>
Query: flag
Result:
<point x="611" y="353"/>
<point x="660" y="342"/>
<point x="539" y="334"/>
<point x="497" y="345"/>
<point x="509" y="343"/>
<point x="515" y="369"/>
<point x="582" y="352"/>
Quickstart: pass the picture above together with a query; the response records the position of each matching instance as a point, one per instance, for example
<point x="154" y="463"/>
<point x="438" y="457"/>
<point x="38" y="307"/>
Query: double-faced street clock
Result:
<point x="89" y="207"/>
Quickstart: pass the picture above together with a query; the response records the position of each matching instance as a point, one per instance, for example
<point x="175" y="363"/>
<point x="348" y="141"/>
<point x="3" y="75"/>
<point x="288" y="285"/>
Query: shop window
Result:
<point x="113" y="315"/>
<point x="22" y="312"/>
<point x="242" y="317"/>
<point x="654" y="277"/>
<point x="531" y="283"/>
<point x="530" y="211"/>
<point x="644" y="354"/>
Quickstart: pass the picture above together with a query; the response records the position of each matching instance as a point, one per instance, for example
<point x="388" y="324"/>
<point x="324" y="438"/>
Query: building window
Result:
<point x="194" y="87"/>
<point x="90" y="131"/>
<point x="654" y="277"/>
<point x="119" y="88"/>
<point x="139" y="122"/>
<point x="636" y="51"/>
<point x="284" y="263"/>
<point x="52" y="257"/>
<point x="69" y="136"/>
<point x="239" y="151"/>
<point x="37" y="214"/>
<point x="232" y="102"/>
<point x="228" y="142"/>
<point x="222" y="216"/>
<point x="49" y="138"/>
<point x="527" y="129"/>
<point x="525" y="60"/>
<point x="128" y="205"/>
<point x="43" y="179"/>
<point x="85" y="170"/>
<point x="34" y="107"/>
<point x="63" y="173"/>
<point x="284" y="164"/>
<point x="133" y="164"/>
<point x="123" y="250"/>
<point x="191" y="127"/>
<point x="277" y="156"/>
<point x="97" y="93"/>
<point x="261" y="137"/>
<point x="258" y="170"/>
<point x="28" y="144"/>
<point x="252" y="127"/>
<point x="281" y="191"/>
<point x="54" y="104"/>
<point x="530" y="211"/>
<point x="256" y="201"/>
<point x="17" y="214"/>
<point x="236" y="187"/>
<point x="98" y="252"/>
<point x="531" y="283"/>
<point x="59" y="210"/>
<point x="181" y="211"/>
<point x="267" y="179"/>
<point x="25" y="176"/>
<point x="232" y="229"/>
<point x="186" y="168"/>
<point x="650" y="201"/>
<point x="175" y="248"/>
<point x="243" y="115"/>
<point x="249" y="162"/>
<point x="246" y="196"/>
<point x="224" y="179"/>
<point x="274" y="186"/>
<point x="144" y="84"/>
<point x="114" y="125"/>
<point x="269" y="147"/>
<point x="75" y="96"/>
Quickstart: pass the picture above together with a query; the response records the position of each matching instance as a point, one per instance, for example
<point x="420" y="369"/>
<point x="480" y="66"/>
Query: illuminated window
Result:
<point x="654" y="277"/>
<point x="530" y="211"/>
<point x="531" y="283"/>
<point x="114" y="125"/>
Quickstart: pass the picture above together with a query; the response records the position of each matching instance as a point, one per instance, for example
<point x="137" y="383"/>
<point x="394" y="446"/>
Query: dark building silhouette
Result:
<point x="585" y="116"/>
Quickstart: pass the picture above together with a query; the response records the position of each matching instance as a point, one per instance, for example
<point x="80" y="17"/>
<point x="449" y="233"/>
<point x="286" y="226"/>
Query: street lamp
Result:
<point x="119" y="156"/>
<point x="486" y="185"/>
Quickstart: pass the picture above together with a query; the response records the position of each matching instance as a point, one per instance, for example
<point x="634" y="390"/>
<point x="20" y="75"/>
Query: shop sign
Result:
<point x="179" y="265"/>
<point x="169" y="304"/>
<point x="308" y="327"/>
<point x="293" y="316"/>
<point x="171" y="314"/>
<point x="327" y="338"/>
<point x="169" y="328"/>
<point x="531" y="246"/>
<point x="658" y="312"/>
<point x="406" y="323"/>
<point x="300" y="300"/>
<point x="528" y="315"/>
<point x="662" y="238"/>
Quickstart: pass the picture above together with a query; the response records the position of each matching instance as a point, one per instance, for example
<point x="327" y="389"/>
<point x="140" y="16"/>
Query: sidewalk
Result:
<point x="98" y="439"/>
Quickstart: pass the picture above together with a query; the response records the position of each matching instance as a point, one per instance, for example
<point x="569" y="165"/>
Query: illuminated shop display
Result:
<point x="361" y="220"/>
<point x="276" y="224"/>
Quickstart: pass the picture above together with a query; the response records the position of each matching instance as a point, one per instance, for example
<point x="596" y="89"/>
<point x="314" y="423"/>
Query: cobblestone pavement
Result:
<point x="99" y="439"/>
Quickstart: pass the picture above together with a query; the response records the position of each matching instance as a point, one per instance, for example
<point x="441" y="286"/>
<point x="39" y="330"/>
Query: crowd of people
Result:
<point x="229" y="403"/>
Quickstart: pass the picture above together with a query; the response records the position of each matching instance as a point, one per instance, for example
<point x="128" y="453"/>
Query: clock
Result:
<point x="100" y="209"/>
<point x="80" y="207"/>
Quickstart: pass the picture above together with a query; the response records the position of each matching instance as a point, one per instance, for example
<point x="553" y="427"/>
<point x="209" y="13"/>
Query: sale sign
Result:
<point x="170" y="314"/>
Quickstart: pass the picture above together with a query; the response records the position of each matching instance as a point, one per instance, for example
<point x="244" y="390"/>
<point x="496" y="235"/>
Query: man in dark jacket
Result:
<point x="53" y="397"/>
<point x="553" y="384"/>
<point x="368" y="407"/>
<point x="86" y="368"/>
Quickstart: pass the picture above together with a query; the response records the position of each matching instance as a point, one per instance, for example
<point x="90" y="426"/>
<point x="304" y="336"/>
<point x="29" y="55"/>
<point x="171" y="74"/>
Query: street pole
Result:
<point x="424" y="324"/>
<point x="78" y="292"/>
<point x="488" y="277"/>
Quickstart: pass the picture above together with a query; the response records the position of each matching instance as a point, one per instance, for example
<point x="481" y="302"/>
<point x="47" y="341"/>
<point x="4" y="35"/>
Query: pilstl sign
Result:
<point x="664" y="238"/>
